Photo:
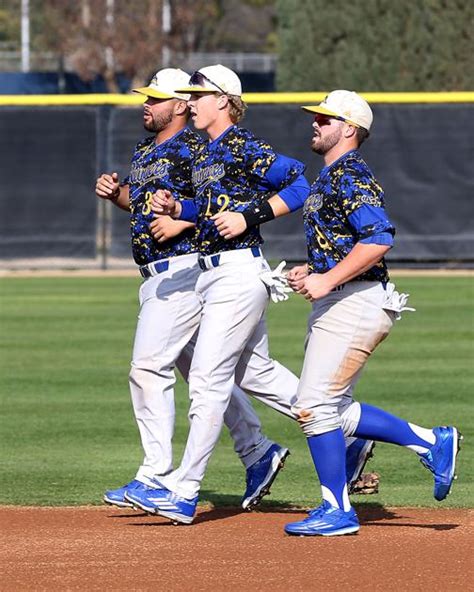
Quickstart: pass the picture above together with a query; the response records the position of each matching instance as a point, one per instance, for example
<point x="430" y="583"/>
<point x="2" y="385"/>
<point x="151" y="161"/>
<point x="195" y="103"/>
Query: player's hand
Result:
<point x="163" y="228"/>
<point x="315" y="286"/>
<point x="107" y="186"/>
<point x="163" y="202"/>
<point x="229" y="224"/>
<point x="296" y="276"/>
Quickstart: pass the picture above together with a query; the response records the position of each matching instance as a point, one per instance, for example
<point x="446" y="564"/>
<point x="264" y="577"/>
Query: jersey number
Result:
<point x="147" y="203"/>
<point x="222" y="201"/>
<point x="322" y="240"/>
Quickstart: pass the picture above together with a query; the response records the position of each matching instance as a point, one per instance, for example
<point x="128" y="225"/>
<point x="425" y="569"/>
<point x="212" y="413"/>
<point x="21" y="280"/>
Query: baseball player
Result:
<point x="170" y="309"/>
<point x="354" y="307"/>
<point x="239" y="181"/>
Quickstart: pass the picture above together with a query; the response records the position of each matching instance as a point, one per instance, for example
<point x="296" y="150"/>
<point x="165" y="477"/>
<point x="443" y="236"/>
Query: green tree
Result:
<point x="9" y="23"/>
<point x="375" y="45"/>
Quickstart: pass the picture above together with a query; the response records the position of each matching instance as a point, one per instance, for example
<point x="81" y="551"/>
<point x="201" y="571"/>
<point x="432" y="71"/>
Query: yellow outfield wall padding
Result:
<point x="301" y="98"/>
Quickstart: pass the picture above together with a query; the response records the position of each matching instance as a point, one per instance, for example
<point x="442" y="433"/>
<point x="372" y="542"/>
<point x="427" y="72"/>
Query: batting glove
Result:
<point x="396" y="302"/>
<point x="276" y="283"/>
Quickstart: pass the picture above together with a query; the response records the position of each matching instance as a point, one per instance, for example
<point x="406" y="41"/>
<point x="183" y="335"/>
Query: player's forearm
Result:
<point x="290" y="198"/>
<point x="122" y="199"/>
<point x="287" y="200"/>
<point x="279" y="206"/>
<point x="361" y="258"/>
<point x="181" y="225"/>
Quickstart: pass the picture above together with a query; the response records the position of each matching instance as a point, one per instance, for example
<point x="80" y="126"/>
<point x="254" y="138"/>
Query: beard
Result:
<point x="322" y="146"/>
<point x="158" y="122"/>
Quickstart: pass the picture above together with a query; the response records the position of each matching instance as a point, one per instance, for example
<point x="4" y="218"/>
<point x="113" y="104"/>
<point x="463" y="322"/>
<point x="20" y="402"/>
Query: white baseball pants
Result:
<point x="344" y="329"/>
<point x="169" y="315"/>
<point x="260" y="376"/>
<point x="234" y="301"/>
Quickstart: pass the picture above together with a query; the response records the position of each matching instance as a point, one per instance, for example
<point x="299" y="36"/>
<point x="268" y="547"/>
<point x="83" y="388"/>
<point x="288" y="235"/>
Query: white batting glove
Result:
<point x="396" y="302"/>
<point x="276" y="283"/>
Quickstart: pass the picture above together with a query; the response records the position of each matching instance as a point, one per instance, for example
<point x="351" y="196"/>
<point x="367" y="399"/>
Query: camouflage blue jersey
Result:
<point x="345" y="206"/>
<point x="232" y="173"/>
<point x="163" y="166"/>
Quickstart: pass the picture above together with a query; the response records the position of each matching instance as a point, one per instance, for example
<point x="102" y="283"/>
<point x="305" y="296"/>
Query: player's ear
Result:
<point x="350" y="131"/>
<point x="222" y="101"/>
<point x="180" y="107"/>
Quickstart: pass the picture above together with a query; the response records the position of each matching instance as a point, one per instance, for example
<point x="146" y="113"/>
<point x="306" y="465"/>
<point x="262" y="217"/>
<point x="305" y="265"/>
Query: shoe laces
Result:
<point x="315" y="512"/>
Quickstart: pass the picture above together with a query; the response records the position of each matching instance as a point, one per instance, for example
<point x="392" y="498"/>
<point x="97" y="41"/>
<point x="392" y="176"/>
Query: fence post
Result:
<point x="102" y="165"/>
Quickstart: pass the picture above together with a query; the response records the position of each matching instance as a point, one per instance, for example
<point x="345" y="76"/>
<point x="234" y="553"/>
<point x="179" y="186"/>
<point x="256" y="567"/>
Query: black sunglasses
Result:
<point x="323" y="118"/>
<point x="199" y="79"/>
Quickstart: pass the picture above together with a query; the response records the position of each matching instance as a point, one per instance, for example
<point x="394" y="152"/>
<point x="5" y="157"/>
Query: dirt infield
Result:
<point x="111" y="549"/>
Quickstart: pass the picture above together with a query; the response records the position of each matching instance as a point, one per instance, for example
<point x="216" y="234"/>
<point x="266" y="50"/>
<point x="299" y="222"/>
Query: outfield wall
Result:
<point x="51" y="153"/>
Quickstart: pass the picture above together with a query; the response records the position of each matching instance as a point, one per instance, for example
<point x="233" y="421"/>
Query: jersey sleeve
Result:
<point x="285" y="177"/>
<point x="363" y="203"/>
<point x="283" y="171"/>
<point x="189" y="211"/>
<point x="259" y="157"/>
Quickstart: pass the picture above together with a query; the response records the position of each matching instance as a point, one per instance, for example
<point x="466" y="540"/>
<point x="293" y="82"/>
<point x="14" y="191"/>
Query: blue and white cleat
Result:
<point x="116" y="497"/>
<point x="165" y="503"/>
<point x="441" y="460"/>
<point x="143" y="498"/>
<point x="169" y="505"/>
<point x="178" y="509"/>
<point x="357" y="455"/>
<point x="261" y="475"/>
<point x="325" y="520"/>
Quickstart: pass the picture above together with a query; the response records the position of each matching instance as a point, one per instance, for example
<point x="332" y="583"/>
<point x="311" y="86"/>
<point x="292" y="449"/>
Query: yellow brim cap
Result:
<point x="319" y="109"/>
<point x="328" y="112"/>
<point x="148" y="91"/>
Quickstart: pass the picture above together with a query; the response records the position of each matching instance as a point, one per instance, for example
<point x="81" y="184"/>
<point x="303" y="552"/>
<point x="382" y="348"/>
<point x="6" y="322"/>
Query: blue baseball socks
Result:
<point x="328" y="452"/>
<point x="377" y="424"/>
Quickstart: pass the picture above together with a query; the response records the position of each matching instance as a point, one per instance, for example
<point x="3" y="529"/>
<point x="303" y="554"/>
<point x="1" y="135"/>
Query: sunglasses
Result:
<point x="322" y="119"/>
<point x="199" y="79"/>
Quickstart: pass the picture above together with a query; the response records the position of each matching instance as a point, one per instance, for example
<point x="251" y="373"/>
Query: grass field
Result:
<point x="67" y="430"/>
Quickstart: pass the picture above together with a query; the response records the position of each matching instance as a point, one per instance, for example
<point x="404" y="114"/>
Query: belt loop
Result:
<point x="154" y="268"/>
<point x="255" y="251"/>
<point x="161" y="266"/>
